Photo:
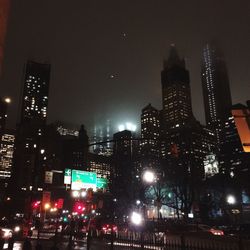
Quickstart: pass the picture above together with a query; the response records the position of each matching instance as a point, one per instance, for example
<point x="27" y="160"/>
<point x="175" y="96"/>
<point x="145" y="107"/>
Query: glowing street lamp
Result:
<point x="136" y="218"/>
<point x="231" y="200"/>
<point x="83" y="194"/>
<point x="148" y="176"/>
<point x="7" y="100"/>
<point x="46" y="206"/>
<point x="75" y="194"/>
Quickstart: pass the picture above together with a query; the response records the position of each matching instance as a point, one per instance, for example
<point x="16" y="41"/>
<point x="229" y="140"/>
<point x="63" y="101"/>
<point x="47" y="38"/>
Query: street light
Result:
<point x="7" y="100"/>
<point x="83" y="194"/>
<point x="76" y="194"/>
<point x="136" y="218"/>
<point x="149" y="176"/>
<point x="231" y="200"/>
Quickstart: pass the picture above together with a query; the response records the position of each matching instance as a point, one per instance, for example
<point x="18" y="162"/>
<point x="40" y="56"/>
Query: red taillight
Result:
<point x="114" y="228"/>
<point x="104" y="228"/>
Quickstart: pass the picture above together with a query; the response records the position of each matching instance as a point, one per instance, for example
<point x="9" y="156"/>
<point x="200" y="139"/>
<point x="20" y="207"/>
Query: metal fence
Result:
<point x="145" y="240"/>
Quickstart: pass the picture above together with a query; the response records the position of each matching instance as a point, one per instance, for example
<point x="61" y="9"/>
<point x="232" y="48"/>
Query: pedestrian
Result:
<point x="27" y="244"/>
<point x="10" y="243"/>
<point x="88" y="240"/>
<point x="1" y="239"/>
<point x="1" y="243"/>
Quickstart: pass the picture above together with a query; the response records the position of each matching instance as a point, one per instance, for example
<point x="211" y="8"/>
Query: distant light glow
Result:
<point x="231" y="199"/>
<point x="136" y="218"/>
<point x="121" y="127"/>
<point x="128" y="126"/>
<point x="7" y="100"/>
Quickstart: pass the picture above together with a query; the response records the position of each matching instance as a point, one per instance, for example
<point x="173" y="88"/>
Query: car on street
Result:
<point x="203" y="229"/>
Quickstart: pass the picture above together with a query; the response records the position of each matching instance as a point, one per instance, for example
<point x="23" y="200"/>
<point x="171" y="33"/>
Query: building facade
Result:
<point x="176" y="95"/>
<point x="150" y="137"/>
<point x="216" y="87"/>
<point x="30" y="129"/>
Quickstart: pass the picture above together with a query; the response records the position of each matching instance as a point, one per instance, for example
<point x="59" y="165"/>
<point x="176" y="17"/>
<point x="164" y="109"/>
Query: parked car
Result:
<point x="107" y="228"/>
<point x="203" y="230"/>
<point x="5" y="233"/>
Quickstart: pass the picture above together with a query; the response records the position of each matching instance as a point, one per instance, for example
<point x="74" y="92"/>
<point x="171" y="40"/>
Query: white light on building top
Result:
<point x="128" y="126"/>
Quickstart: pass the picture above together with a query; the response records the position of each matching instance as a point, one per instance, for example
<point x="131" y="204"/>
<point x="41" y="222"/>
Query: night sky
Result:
<point x="107" y="56"/>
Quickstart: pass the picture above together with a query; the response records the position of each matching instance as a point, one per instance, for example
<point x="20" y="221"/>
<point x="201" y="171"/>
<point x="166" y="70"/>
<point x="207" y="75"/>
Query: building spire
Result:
<point x="173" y="58"/>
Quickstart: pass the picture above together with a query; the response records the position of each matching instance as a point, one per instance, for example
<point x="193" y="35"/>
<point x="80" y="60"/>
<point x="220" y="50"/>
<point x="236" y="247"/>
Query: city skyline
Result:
<point x="124" y="88"/>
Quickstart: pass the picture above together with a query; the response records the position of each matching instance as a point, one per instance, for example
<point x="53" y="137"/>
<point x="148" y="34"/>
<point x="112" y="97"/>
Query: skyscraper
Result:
<point x="150" y="133"/>
<point x="4" y="13"/>
<point x="35" y="92"/>
<point x="215" y="84"/>
<point x="6" y="154"/>
<point x="176" y="96"/>
<point x="27" y="167"/>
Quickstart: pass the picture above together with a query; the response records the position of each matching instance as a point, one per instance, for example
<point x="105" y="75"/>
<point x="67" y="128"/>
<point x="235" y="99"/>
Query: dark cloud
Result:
<point x="85" y="44"/>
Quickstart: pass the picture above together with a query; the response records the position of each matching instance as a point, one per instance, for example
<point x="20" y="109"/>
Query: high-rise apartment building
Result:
<point x="215" y="85"/>
<point x="6" y="154"/>
<point x="176" y="96"/>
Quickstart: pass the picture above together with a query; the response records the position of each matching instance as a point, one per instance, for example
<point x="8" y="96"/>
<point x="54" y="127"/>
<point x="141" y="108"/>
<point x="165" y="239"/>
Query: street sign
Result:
<point x="67" y="176"/>
<point x="48" y="177"/>
<point x="102" y="183"/>
<point x="83" y="180"/>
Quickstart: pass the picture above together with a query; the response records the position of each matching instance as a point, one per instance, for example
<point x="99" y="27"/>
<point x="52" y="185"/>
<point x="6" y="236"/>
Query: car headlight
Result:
<point x="6" y="233"/>
<point x="17" y="229"/>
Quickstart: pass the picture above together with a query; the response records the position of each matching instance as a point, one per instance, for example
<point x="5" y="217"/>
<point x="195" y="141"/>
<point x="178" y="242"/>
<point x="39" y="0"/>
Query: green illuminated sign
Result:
<point x="102" y="183"/>
<point x="67" y="176"/>
<point x="83" y="180"/>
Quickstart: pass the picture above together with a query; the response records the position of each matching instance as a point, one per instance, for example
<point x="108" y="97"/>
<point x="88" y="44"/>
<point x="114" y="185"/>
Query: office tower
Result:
<point x="122" y="169"/>
<point x="100" y="139"/>
<point x="215" y="85"/>
<point x="234" y="157"/>
<point x="176" y="96"/>
<point x="6" y="154"/>
<point x="75" y="151"/>
<point x="4" y="13"/>
<point x="101" y="165"/>
<point x="35" y="92"/>
<point x="150" y="134"/>
<point x="241" y="114"/>
<point x="27" y="167"/>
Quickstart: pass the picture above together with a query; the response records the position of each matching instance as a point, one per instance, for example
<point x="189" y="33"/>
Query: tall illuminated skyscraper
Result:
<point x="35" y="92"/>
<point x="27" y="167"/>
<point x="215" y="84"/>
<point x="150" y="132"/>
<point x="176" y="95"/>
<point x="4" y="13"/>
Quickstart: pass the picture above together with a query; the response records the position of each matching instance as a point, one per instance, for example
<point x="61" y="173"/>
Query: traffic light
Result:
<point x="79" y="207"/>
<point x="36" y="204"/>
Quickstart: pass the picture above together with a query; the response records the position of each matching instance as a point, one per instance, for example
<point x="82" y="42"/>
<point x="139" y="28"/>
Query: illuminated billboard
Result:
<point x="83" y="180"/>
